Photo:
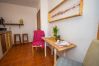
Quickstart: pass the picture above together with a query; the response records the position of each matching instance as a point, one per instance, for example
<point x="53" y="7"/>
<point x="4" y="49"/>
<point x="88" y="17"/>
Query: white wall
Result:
<point x="79" y="30"/>
<point x="12" y="13"/>
<point x="44" y="15"/>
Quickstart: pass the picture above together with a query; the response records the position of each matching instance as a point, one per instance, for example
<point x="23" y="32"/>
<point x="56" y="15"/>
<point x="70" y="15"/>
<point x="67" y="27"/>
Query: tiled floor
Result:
<point x="22" y="56"/>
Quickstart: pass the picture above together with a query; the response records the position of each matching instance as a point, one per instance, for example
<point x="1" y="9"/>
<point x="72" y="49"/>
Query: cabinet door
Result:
<point x="1" y="54"/>
<point x="3" y="43"/>
<point x="8" y="40"/>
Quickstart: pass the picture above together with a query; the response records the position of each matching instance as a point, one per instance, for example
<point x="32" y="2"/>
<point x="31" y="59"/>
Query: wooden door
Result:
<point x="98" y="33"/>
<point x="38" y="20"/>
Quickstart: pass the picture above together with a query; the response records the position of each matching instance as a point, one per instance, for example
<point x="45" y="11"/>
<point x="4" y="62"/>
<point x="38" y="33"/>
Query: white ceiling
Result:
<point x="30" y="3"/>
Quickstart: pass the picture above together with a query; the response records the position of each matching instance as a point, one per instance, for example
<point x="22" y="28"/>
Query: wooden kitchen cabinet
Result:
<point x="5" y="42"/>
<point x="8" y="40"/>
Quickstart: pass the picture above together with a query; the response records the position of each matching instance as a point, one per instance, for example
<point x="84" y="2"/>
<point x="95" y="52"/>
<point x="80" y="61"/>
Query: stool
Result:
<point x="17" y="36"/>
<point x="25" y="38"/>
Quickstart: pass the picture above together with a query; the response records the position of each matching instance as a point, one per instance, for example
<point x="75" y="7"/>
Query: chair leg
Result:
<point x="36" y="48"/>
<point x="33" y="51"/>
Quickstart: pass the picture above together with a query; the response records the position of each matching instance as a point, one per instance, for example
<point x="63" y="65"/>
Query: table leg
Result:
<point x="45" y="50"/>
<point x="64" y="54"/>
<point x="55" y="57"/>
<point x="51" y="51"/>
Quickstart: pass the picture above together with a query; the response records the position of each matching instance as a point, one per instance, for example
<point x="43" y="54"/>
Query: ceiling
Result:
<point x="30" y="3"/>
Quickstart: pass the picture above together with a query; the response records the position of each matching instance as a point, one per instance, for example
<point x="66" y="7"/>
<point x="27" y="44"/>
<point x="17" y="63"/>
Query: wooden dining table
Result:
<point x="52" y="42"/>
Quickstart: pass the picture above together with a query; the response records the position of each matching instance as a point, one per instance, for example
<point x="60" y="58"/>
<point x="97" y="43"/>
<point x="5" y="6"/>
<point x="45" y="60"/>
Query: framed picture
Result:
<point x="54" y="4"/>
<point x="65" y="9"/>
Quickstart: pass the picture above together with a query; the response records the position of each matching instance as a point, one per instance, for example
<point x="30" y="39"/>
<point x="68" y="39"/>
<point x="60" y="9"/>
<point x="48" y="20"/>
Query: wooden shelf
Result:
<point x="13" y="24"/>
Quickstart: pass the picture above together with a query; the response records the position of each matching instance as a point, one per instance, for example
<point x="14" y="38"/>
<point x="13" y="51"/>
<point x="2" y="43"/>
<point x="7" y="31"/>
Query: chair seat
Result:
<point x="38" y="43"/>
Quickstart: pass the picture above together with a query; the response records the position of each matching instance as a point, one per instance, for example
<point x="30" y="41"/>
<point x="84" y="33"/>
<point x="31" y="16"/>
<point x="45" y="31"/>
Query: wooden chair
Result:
<point x="37" y="39"/>
<point x="17" y="39"/>
<point x="25" y="38"/>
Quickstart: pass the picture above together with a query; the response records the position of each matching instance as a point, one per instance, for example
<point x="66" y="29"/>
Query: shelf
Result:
<point x="13" y="24"/>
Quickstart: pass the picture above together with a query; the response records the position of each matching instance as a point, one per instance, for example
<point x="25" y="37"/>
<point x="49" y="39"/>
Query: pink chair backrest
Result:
<point x="38" y="34"/>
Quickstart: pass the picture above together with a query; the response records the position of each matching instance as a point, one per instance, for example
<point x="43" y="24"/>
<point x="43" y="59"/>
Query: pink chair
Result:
<point x="37" y="39"/>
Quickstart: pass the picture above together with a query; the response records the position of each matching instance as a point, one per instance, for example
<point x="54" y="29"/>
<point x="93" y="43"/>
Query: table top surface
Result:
<point x="51" y="41"/>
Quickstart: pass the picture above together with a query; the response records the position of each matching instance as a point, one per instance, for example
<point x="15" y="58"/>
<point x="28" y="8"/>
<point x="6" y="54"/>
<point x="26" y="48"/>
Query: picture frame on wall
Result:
<point x="65" y="9"/>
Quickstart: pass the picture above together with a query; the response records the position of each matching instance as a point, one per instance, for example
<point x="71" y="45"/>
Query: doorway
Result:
<point x="38" y="20"/>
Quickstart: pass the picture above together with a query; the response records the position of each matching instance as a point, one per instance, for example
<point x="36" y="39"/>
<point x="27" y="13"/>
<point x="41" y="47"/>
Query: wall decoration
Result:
<point x="66" y="9"/>
<point x="54" y="4"/>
